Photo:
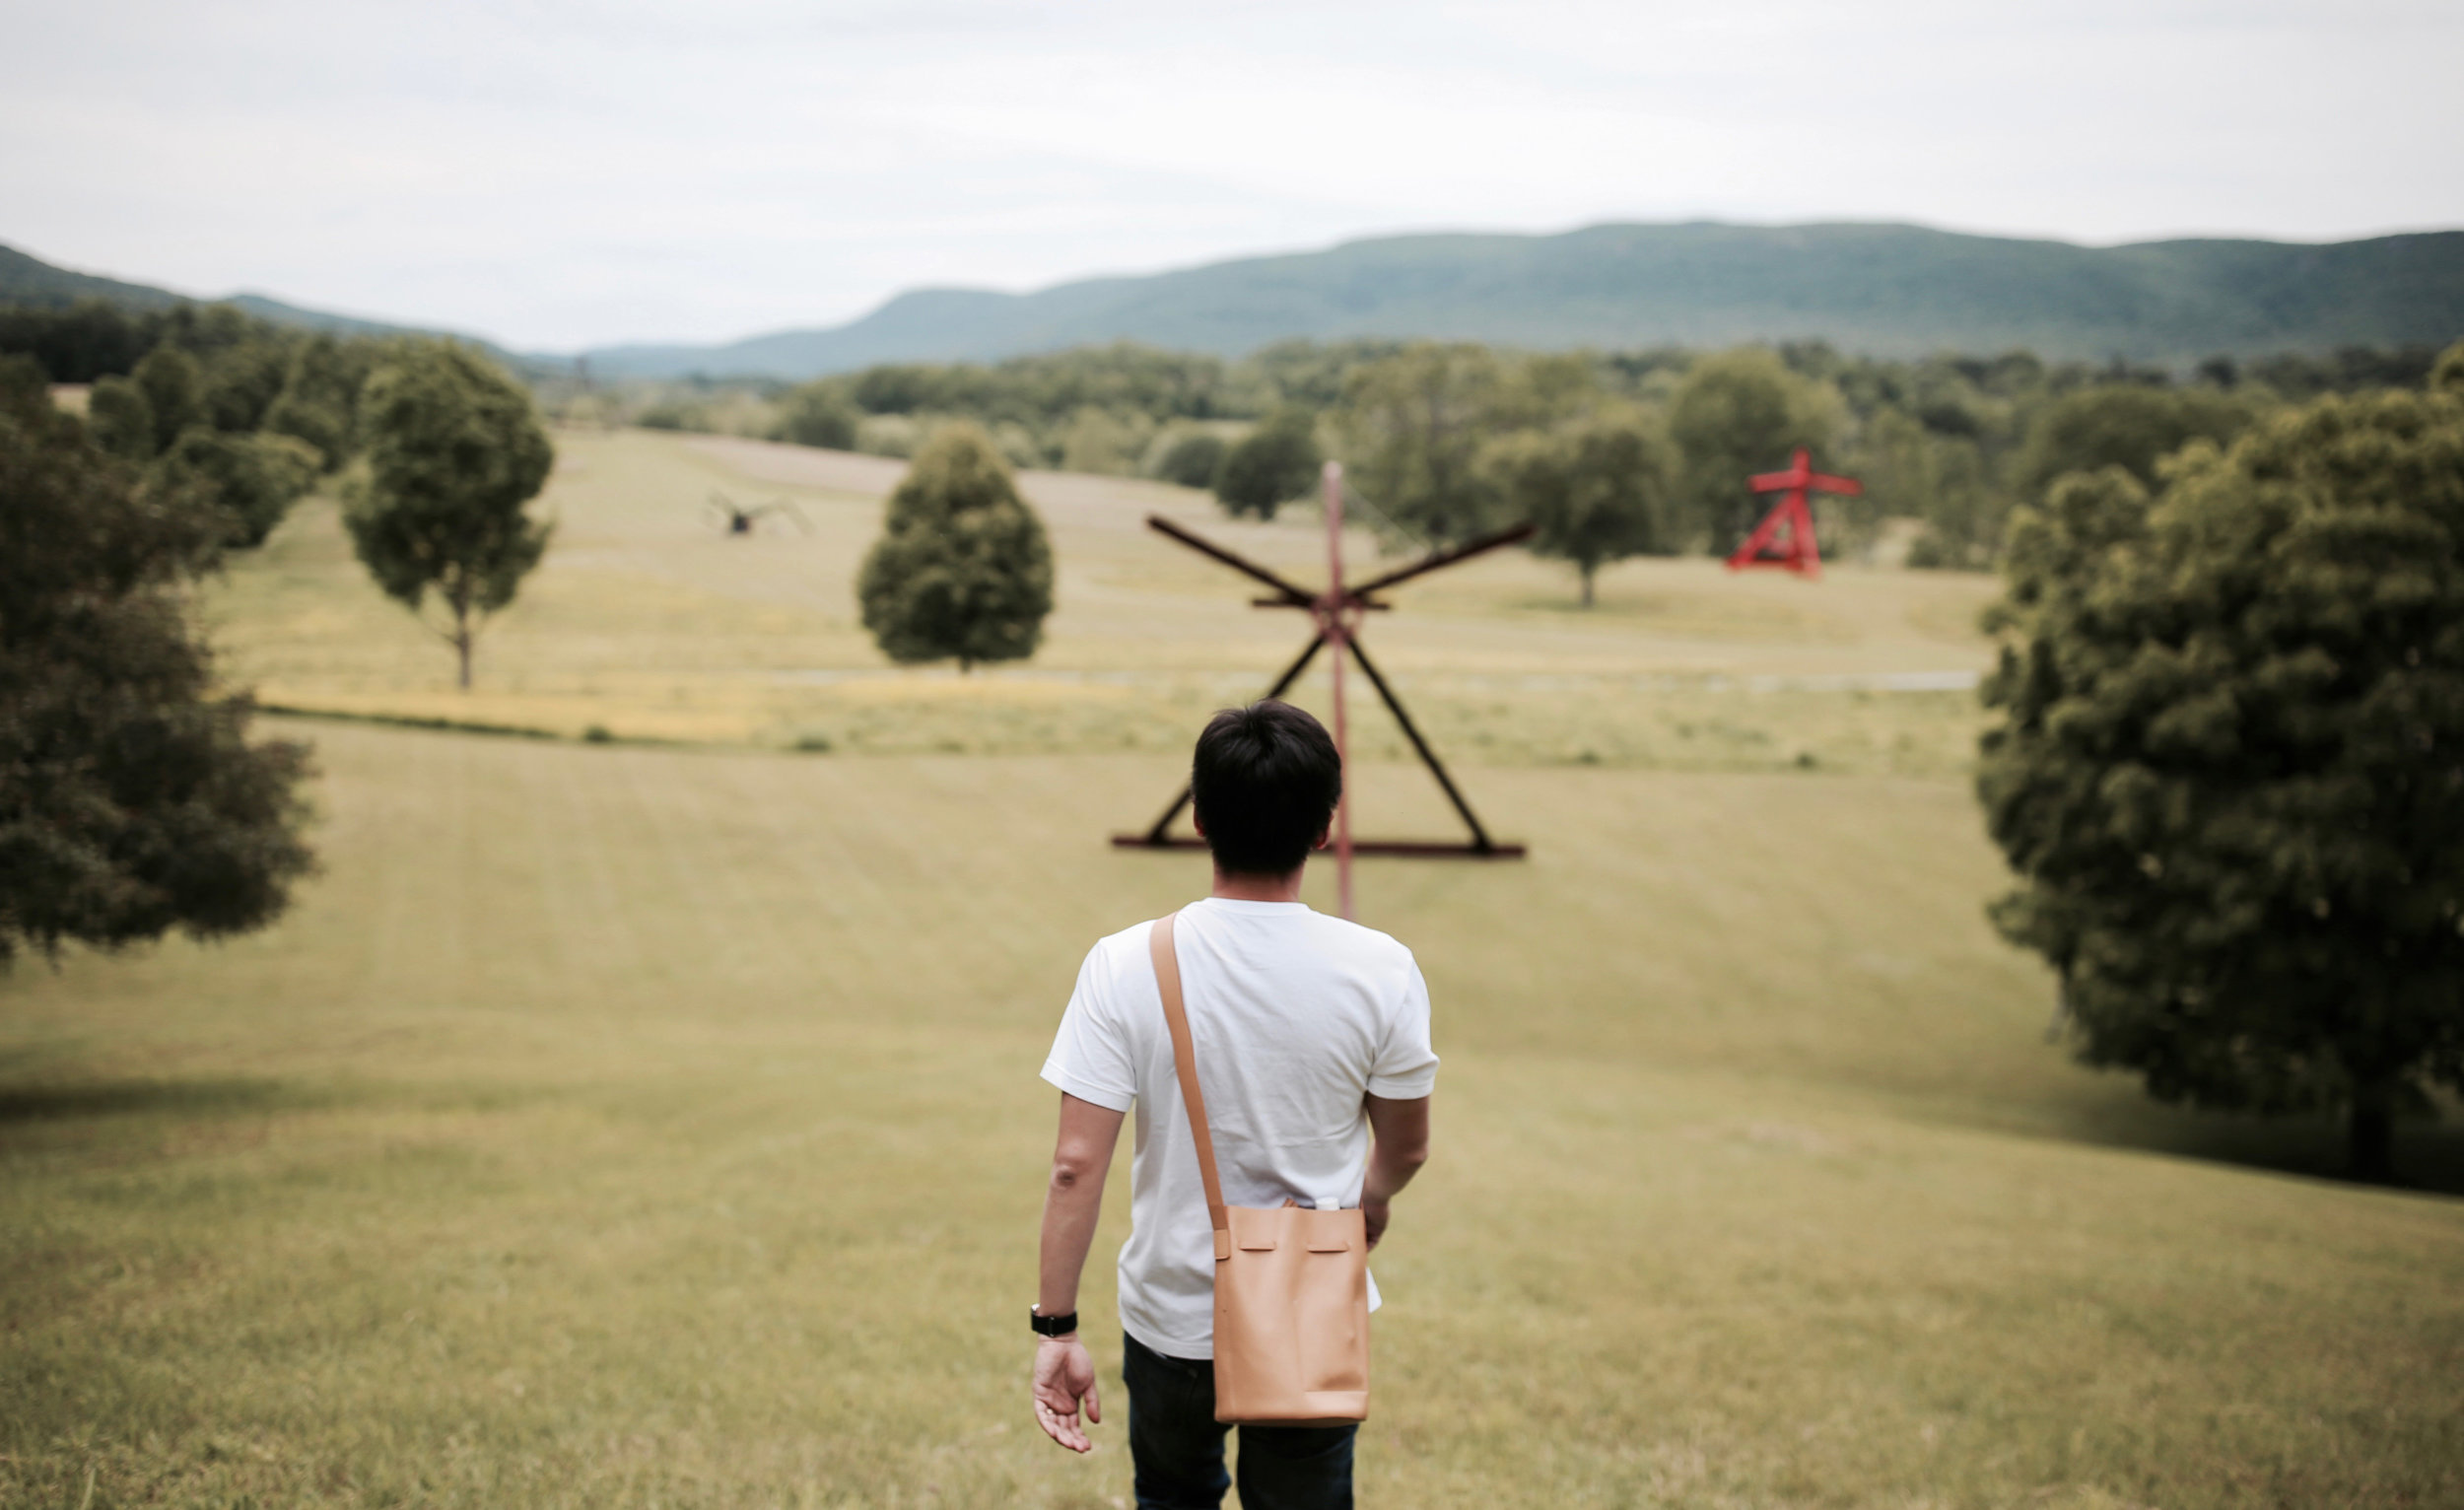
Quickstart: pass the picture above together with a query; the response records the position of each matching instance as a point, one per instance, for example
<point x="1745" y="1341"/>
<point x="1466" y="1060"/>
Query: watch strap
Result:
<point x="1052" y="1325"/>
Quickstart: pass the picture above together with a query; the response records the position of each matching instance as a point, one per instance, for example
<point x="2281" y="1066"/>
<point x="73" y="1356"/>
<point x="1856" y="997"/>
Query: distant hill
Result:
<point x="1878" y="289"/>
<point x="1892" y="291"/>
<point x="30" y="281"/>
<point x="34" y="283"/>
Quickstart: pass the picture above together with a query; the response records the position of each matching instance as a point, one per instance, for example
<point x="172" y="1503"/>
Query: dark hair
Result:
<point x="1266" y="779"/>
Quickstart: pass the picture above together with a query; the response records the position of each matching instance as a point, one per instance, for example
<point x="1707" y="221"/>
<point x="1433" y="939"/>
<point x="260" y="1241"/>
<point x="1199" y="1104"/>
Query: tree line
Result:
<point x="134" y="800"/>
<point x="1613" y="453"/>
<point x="207" y="398"/>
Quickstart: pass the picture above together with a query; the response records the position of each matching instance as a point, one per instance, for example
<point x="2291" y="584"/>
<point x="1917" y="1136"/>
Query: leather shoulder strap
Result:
<point x="1185" y="1064"/>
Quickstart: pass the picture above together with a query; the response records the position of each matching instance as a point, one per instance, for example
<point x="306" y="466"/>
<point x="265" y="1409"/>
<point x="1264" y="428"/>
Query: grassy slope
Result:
<point x="637" y="1126"/>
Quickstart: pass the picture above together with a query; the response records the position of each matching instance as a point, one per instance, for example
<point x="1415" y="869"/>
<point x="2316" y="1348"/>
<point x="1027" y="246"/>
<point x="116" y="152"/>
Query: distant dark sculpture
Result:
<point x="731" y="518"/>
<point x="1336" y="613"/>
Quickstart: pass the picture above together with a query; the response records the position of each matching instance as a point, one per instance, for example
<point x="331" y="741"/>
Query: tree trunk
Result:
<point x="1587" y="585"/>
<point x="462" y="646"/>
<point x="2371" y="1149"/>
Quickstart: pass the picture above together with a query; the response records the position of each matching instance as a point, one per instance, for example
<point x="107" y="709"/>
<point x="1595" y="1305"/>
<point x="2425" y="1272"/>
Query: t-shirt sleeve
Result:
<point x="1090" y="1057"/>
<point x="1407" y="1066"/>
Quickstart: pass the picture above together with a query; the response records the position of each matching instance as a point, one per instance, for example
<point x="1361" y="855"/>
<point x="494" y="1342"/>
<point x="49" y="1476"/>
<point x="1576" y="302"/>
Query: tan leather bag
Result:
<point x="1291" y="1284"/>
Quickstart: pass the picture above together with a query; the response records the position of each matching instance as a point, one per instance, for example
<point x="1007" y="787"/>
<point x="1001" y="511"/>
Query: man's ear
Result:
<point x="1198" y="823"/>
<point x="1326" y="834"/>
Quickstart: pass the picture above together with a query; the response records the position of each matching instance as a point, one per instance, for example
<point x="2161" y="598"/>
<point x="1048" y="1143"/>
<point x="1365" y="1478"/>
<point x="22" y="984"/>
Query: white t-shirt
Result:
<point x="1295" y="1016"/>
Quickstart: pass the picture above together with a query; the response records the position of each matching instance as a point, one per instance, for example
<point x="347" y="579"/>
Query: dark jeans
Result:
<point x="1175" y="1444"/>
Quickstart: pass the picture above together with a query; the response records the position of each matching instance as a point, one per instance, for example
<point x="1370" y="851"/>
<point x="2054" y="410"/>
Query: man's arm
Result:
<point x="1063" y="1373"/>
<point x="1402" y="1128"/>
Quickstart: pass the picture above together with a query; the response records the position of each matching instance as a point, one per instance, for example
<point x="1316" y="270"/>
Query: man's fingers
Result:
<point x="1061" y="1429"/>
<point x="1094" y="1407"/>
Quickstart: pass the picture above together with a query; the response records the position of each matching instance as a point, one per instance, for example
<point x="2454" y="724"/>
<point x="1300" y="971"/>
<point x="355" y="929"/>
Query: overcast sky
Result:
<point x="555" y="175"/>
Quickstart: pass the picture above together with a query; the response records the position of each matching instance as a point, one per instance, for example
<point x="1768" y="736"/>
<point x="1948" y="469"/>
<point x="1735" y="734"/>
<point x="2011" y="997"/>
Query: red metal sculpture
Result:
<point x="1787" y="531"/>
<point x="1338" y="612"/>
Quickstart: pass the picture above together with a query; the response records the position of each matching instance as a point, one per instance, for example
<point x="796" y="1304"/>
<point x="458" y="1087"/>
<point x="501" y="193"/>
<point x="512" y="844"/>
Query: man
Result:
<point x="1309" y="1034"/>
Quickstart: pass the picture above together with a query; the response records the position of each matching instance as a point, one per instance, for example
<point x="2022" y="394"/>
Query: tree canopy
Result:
<point x="455" y="453"/>
<point x="1735" y="414"/>
<point x="255" y="476"/>
<point x="131" y="800"/>
<point x="1414" y="425"/>
<point x="2130" y="426"/>
<point x="1271" y="465"/>
<point x="818" y="414"/>
<point x="1193" y="460"/>
<point x="1597" y="489"/>
<point x="320" y="393"/>
<point x="2229" y="761"/>
<point x="962" y="571"/>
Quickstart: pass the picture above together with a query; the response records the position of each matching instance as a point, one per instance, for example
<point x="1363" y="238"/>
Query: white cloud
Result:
<point x="562" y="175"/>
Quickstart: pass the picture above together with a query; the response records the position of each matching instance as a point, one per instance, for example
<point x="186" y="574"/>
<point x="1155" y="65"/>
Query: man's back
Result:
<point x="1311" y="1037"/>
<point x="1296" y="1017"/>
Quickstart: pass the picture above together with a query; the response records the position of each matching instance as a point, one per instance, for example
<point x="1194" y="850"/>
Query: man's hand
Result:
<point x="1064" y="1376"/>
<point x="1373" y="1214"/>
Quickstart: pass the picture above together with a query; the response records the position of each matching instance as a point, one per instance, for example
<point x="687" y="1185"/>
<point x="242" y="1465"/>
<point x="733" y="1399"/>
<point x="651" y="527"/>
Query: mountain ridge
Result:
<point x="27" y="279"/>
<point x="1878" y="287"/>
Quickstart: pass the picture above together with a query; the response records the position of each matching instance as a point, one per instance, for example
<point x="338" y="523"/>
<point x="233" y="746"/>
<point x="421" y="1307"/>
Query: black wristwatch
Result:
<point x="1052" y="1325"/>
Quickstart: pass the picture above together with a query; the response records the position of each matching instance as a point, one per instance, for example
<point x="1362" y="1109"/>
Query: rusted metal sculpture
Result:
<point x="1785" y="537"/>
<point x="1338" y="612"/>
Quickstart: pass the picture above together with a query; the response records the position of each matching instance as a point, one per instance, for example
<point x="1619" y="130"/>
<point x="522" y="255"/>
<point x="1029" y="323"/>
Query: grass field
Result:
<point x="650" y="625"/>
<point x="637" y="1126"/>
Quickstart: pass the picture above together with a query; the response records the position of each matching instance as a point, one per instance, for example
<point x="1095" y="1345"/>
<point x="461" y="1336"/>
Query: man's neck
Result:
<point x="1242" y="886"/>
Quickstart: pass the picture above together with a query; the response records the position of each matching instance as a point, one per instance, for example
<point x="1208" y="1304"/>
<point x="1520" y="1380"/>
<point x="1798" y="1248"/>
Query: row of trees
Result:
<point x="443" y="448"/>
<point x="247" y="413"/>
<point x="132" y="799"/>
<point x="1440" y="436"/>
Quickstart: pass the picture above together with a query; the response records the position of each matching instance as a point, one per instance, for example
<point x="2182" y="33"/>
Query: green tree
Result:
<point x="254" y="478"/>
<point x="131" y="800"/>
<point x="1414" y="425"/>
<point x="1100" y="442"/>
<point x="1733" y="415"/>
<point x="121" y="418"/>
<point x="2229" y="763"/>
<point x="2127" y="425"/>
<point x="242" y="381"/>
<point x="91" y="340"/>
<point x="319" y="393"/>
<point x="962" y="568"/>
<point x="2447" y="374"/>
<point x="1195" y="460"/>
<point x="23" y="384"/>
<point x="1913" y="470"/>
<point x="1598" y="489"/>
<point x="818" y="414"/>
<point x="174" y="393"/>
<point x="1271" y="465"/>
<point x="455" y="451"/>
